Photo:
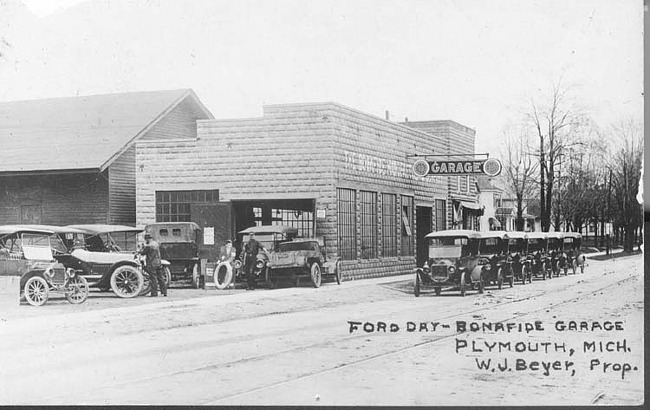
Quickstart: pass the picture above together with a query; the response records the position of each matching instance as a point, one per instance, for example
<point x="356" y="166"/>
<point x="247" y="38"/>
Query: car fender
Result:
<point x="329" y="266"/>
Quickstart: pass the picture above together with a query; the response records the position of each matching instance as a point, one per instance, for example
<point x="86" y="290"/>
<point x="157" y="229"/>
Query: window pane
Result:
<point x="347" y="226"/>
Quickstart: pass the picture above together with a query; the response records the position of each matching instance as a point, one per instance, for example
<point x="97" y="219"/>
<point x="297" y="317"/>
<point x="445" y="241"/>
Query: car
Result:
<point x="303" y="258"/>
<point x="27" y="252"/>
<point x="517" y="252"/>
<point x="110" y="261"/>
<point x="556" y="251"/>
<point x="493" y="256"/>
<point x="575" y="256"/>
<point x="537" y="255"/>
<point x="179" y="245"/>
<point x="269" y="236"/>
<point x="453" y="262"/>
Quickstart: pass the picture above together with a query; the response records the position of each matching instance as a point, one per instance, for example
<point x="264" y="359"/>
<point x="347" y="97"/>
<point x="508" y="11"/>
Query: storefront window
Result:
<point x="441" y="214"/>
<point x="347" y="223"/>
<point x="388" y="225"/>
<point x="368" y="206"/>
<point x="174" y="206"/>
<point x="407" y="225"/>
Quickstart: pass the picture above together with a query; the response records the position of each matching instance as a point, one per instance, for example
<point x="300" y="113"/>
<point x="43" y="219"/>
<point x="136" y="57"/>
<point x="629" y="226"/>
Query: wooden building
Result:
<point x="72" y="160"/>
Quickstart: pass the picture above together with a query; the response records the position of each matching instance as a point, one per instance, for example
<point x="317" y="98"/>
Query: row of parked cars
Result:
<point x="71" y="259"/>
<point x="464" y="259"/>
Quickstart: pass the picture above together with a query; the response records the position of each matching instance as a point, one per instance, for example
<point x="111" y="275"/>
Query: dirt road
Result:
<point x="328" y="346"/>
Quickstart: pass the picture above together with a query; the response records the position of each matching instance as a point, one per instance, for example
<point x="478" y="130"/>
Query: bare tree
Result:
<point x="556" y="125"/>
<point x="519" y="169"/>
<point x="625" y="166"/>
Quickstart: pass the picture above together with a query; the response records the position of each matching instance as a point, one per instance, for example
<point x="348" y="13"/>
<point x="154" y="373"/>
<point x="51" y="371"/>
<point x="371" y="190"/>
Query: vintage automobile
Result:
<point x="517" y="251"/>
<point x="269" y="236"/>
<point x="303" y="258"/>
<point x="453" y="262"/>
<point x="575" y="257"/>
<point x="27" y="252"/>
<point x="179" y="245"/>
<point x="556" y="251"/>
<point x="493" y="257"/>
<point x="537" y="255"/>
<point x="109" y="261"/>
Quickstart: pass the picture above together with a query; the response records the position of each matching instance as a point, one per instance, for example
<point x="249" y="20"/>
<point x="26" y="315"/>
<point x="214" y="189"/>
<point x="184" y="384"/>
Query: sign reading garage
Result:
<point x="491" y="167"/>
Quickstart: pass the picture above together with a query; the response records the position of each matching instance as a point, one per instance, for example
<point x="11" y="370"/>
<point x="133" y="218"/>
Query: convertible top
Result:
<point x="98" y="229"/>
<point x="572" y="235"/>
<point x="537" y="235"/>
<point x="12" y="229"/>
<point x="518" y="235"/>
<point x="555" y="235"/>
<point x="455" y="233"/>
<point x="270" y="229"/>
<point x="55" y="228"/>
<point x="495" y="234"/>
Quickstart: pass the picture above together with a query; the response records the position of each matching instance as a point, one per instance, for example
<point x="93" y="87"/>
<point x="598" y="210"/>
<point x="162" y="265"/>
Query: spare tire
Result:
<point x="223" y="275"/>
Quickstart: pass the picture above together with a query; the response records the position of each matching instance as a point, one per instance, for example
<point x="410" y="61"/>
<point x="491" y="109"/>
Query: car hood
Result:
<point x="290" y="257"/>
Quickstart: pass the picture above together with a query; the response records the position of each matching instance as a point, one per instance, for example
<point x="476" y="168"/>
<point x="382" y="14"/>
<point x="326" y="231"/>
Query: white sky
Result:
<point x="476" y="62"/>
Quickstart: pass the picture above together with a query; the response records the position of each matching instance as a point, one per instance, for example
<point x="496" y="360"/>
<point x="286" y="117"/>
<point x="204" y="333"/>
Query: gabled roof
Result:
<point x="80" y="133"/>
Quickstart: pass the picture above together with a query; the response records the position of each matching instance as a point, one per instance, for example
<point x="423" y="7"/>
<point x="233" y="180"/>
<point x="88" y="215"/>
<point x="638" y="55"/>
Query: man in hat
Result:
<point x="154" y="268"/>
<point x="251" y="249"/>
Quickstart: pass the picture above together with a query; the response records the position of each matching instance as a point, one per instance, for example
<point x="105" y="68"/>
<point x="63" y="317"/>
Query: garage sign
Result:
<point x="490" y="167"/>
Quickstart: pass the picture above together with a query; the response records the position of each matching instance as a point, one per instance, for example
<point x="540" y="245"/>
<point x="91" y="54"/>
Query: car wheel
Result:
<point x="127" y="281"/>
<point x="338" y="272"/>
<point x="146" y="284"/>
<point x="574" y="265"/>
<point x="500" y="278"/>
<point x="416" y="285"/>
<point x="582" y="267"/>
<point x="196" y="282"/>
<point x="462" y="284"/>
<point x="37" y="291"/>
<point x="222" y="275"/>
<point x="315" y="274"/>
<point x="78" y="290"/>
<point x="543" y="268"/>
<point x="481" y="285"/>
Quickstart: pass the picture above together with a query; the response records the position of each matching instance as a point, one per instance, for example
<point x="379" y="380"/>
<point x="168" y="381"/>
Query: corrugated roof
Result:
<point x="73" y="133"/>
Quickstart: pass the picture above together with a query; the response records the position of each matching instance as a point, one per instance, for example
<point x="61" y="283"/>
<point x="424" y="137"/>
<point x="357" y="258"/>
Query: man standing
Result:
<point x="227" y="252"/>
<point x="153" y="267"/>
<point x="251" y="249"/>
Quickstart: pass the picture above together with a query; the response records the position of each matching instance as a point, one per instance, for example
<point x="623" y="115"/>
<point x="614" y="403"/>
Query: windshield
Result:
<point x="451" y="247"/>
<point x="112" y="242"/>
<point x="451" y="251"/>
<point x="298" y="246"/>
<point x="535" y="245"/>
<point x="516" y="245"/>
<point x="490" y="245"/>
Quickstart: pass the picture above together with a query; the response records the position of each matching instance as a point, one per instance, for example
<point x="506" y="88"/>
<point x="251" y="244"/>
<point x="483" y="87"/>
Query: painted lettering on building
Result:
<point x="374" y="165"/>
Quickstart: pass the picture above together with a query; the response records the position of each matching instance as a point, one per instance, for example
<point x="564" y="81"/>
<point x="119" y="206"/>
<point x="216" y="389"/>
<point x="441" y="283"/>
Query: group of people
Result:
<point x="153" y="266"/>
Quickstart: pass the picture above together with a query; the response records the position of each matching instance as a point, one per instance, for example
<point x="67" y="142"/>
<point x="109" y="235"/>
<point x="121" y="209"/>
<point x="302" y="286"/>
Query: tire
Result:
<point x="339" y="275"/>
<point x="582" y="267"/>
<point x="543" y="268"/>
<point x="481" y="285"/>
<point x="523" y="274"/>
<point x="574" y="265"/>
<point x="168" y="277"/>
<point x="316" y="274"/>
<point x="416" y="285"/>
<point x="223" y="275"/>
<point x="566" y="271"/>
<point x="78" y="292"/>
<point x="529" y="273"/>
<point x="196" y="281"/>
<point x="500" y="278"/>
<point x="511" y="279"/>
<point x="37" y="291"/>
<point x="438" y="290"/>
<point x="463" y="286"/>
<point x="146" y="284"/>
<point x="127" y="281"/>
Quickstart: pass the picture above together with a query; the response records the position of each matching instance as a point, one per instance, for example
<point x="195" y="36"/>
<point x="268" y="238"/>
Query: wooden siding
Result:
<point x="179" y="123"/>
<point x="121" y="176"/>
<point x="64" y="199"/>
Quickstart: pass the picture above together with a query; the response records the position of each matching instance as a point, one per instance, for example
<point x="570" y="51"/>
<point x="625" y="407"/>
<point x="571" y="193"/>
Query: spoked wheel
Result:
<point x="416" y="286"/>
<point x="462" y="284"/>
<point x="545" y="271"/>
<point x="529" y="273"/>
<point x="36" y="291"/>
<point x="146" y="284"/>
<point x="481" y="285"/>
<point x="438" y="290"/>
<point x="582" y="267"/>
<point x="196" y="281"/>
<point x="315" y="274"/>
<point x="127" y="281"/>
<point x="78" y="290"/>
<point x="338" y="272"/>
<point x="511" y="278"/>
<point x="500" y="278"/>
<point x="574" y="265"/>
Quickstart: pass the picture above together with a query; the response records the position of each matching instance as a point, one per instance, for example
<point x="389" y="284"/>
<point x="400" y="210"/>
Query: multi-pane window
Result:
<point x="407" y="225"/>
<point x="389" y="225"/>
<point x="302" y="220"/>
<point x="175" y="206"/>
<point x="347" y="223"/>
<point x="368" y="213"/>
<point x="441" y="214"/>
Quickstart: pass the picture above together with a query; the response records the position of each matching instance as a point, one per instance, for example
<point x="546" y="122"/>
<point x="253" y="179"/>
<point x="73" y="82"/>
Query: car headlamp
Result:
<point x="259" y="264"/>
<point x="71" y="272"/>
<point x="451" y="269"/>
<point x="487" y="266"/>
<point x="49" y="272"/>
<point x="237" y="264"/>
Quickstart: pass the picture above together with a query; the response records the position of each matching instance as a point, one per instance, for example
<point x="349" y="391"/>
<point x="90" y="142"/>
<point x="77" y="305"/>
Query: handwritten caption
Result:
<point x="545" y="348"/>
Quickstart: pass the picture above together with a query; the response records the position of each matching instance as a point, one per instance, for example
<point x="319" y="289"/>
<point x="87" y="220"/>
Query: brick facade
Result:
<point x="299" y="151"/>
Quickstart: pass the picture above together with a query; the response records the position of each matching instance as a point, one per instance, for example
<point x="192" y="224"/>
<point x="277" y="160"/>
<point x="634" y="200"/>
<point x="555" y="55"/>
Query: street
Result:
<point x="574" y="340"/>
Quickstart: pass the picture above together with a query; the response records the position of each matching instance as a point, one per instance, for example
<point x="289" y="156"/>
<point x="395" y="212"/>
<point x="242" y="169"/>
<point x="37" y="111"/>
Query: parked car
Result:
<point x="537" y="254"/>
<point x="556" y="252"/>
<point x="27" y="252"/>
<point x="493" y="256"/>
<point x="109" y="260"/>
<point x="179" y="245"/>
<point x="269" y="236"/>
<point x="517" y="256"/>
<point x="575" y="256"/>
<point x="453" y="262"/>
<point x="303" y="258"/>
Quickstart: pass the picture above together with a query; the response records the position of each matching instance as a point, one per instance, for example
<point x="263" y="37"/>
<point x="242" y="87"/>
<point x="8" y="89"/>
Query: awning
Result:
<point x="494" y="223"/>
<point x="470" y="205"/>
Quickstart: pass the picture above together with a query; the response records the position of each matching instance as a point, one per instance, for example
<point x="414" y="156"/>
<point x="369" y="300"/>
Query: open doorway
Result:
<point x="423" y="221"/>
